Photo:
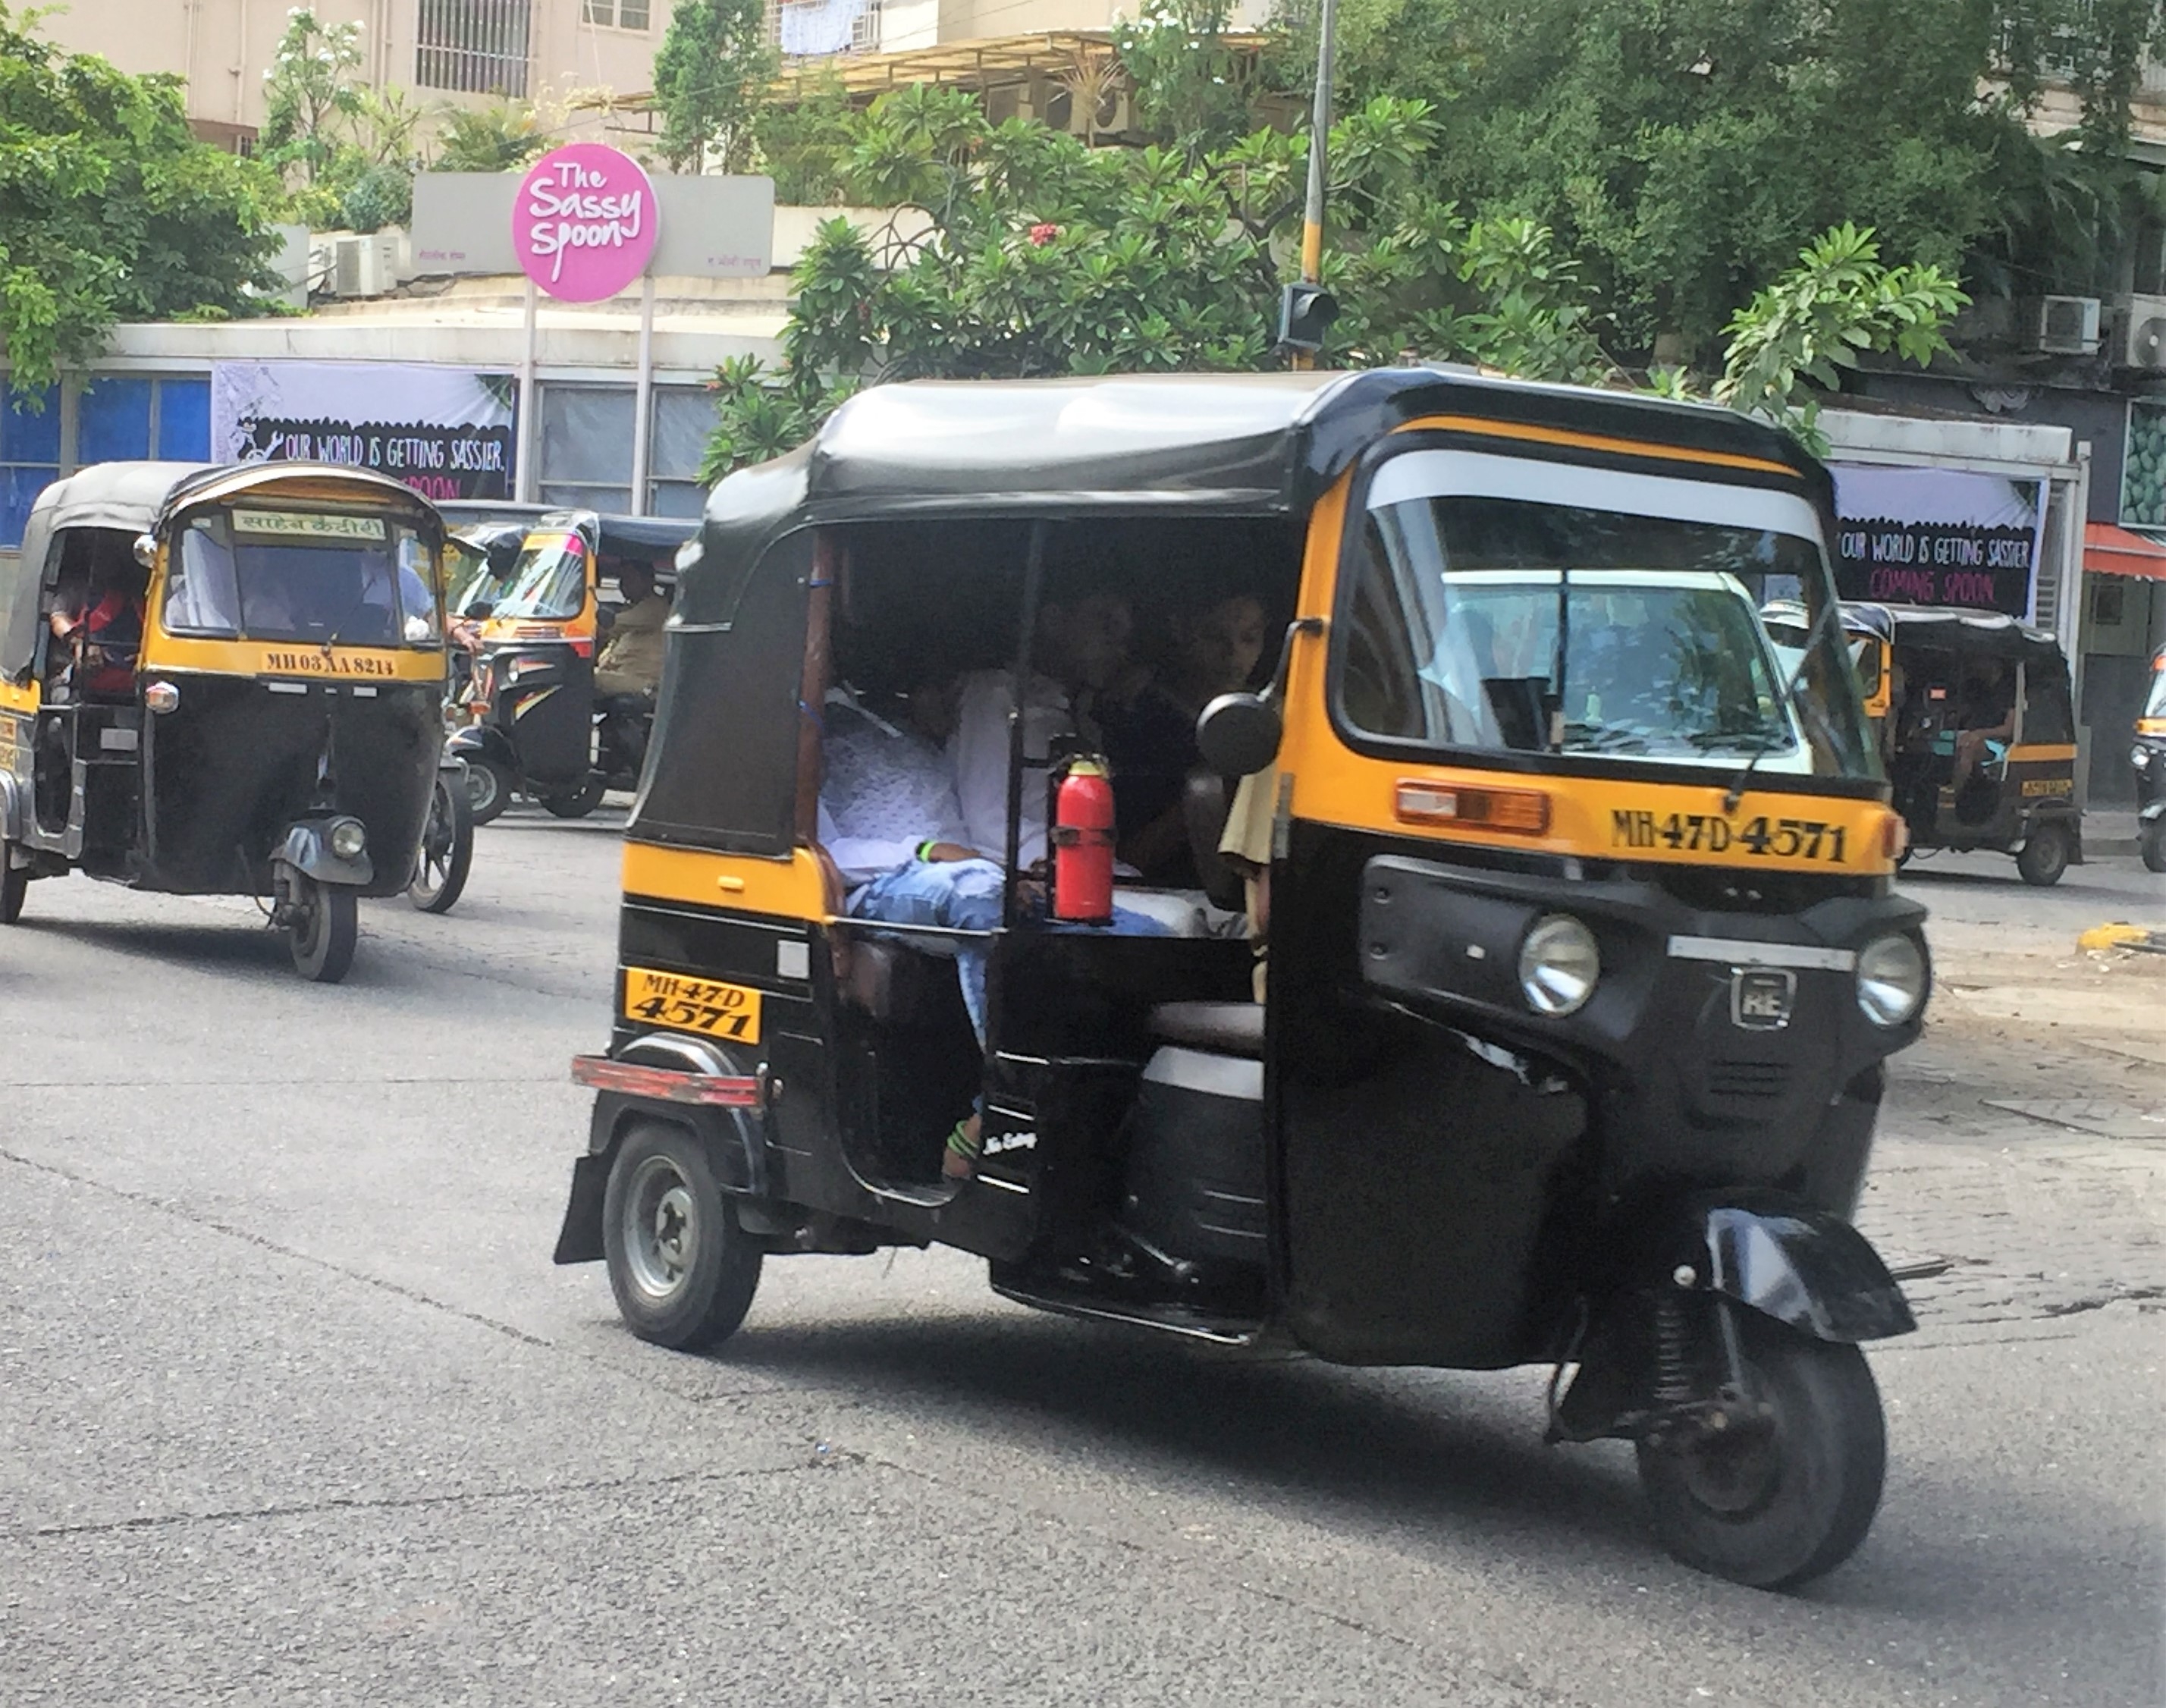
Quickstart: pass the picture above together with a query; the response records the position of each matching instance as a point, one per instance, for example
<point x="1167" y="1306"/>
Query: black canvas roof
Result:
<point x="1232" y="443"/>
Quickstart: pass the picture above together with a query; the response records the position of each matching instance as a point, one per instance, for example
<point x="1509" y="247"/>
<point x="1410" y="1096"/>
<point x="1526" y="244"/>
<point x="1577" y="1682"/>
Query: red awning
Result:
<point x="2111" y="551"/>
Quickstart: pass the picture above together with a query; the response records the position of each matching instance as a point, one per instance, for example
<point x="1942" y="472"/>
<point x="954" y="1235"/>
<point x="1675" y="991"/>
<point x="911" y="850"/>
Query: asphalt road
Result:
<point x="293" y="1407"/>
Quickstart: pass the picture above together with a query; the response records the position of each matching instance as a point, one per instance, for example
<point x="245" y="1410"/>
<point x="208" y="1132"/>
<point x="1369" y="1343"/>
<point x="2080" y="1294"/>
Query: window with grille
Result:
<point x="476" y="47"/>
<point x="617" y="14"/>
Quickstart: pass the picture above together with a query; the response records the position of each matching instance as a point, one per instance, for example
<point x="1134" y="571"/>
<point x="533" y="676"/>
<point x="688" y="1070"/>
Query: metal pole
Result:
<point x="1319" y="134"/>
<point x="523" y="469"/>
<point x="643" y="397"/>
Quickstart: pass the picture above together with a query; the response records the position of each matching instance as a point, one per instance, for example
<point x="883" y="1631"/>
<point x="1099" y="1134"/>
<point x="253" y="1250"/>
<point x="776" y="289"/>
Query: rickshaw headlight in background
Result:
<point x="2140" y="757"/>
<point x="348" y="839"/>
<point x="1891" y="980"/>
<point x="162" y="696"/>
<point x="1559" y="964"/>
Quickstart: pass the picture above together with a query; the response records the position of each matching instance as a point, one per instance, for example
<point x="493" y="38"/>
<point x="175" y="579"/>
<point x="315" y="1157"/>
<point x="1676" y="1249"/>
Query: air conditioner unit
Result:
<point x="1115" y="117"/>
<point x="2065" y="326"/>
<point x="361" y="267"/>
<point x="2143" y="340"/>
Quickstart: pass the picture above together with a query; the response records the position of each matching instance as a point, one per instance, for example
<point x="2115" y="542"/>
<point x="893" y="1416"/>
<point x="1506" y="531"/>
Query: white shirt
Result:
<point x="978" y="753"/>
<point x="886" y="790"/>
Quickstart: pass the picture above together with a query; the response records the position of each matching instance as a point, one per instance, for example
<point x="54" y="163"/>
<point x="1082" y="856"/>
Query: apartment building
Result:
<point x="440" y="50"/>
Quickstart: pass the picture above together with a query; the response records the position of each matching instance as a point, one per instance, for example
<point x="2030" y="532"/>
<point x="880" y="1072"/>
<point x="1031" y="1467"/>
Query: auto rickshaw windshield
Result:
<point x="294" y="575"/>
<point x="2155" y="705"/>
<point x="1625" y="625"/>
<point x="549" y="582"/>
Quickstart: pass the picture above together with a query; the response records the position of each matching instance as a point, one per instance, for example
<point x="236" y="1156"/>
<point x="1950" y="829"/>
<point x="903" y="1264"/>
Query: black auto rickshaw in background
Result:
<point x="1979" y="735"/>
<point x="2148" y="759"/>
<point x="225" y="681"/>
<point x="1584" y="956"/>
<point x="541" y="729"/>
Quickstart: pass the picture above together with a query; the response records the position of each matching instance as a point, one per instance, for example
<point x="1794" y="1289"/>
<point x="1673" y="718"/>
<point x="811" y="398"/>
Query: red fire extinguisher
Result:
<point x="1083" y="844"/>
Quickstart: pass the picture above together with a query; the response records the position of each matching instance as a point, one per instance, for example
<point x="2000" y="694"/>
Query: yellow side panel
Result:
<point x="792" y="888"/>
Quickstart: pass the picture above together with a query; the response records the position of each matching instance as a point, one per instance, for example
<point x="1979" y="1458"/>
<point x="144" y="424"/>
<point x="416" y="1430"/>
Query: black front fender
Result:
<point x="481" y="741"/>
<point x="306" y="848"/>
<point x="1808" y="1270"/>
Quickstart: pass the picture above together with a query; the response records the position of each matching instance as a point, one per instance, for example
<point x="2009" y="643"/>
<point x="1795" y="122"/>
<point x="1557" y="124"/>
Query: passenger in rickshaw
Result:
<point x="1213" y="647"/>
<point x="99" y="618"/>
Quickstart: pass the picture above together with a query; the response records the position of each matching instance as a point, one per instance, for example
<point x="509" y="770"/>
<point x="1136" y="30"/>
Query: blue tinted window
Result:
<point x="19" y="487"/>
<point x="30" y="457"/>
<point x="25" y="437"/>
<point x="184" y="421"/>
<point x="114" y="424"/>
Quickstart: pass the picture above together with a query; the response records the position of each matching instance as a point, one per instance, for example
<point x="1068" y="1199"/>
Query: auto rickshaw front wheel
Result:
<point x="682" y="1271"/>
<point x="2151" y="843"/>
<point x="1775" y="1506"/>
<point x="322" y="926"/>
<point x="2045" y="855"/>
<point x="490" y="788"/>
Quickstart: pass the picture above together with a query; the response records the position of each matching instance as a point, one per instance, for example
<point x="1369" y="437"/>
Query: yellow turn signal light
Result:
<point x="1525" y="811"/>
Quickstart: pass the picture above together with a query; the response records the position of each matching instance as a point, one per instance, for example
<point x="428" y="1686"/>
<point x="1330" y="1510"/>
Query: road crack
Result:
<point x="392" y="1502"/>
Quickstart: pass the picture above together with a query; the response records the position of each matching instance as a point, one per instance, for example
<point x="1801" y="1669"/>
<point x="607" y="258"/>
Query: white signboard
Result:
<point x="444" y="431"/>
<point x="711" y="227"/>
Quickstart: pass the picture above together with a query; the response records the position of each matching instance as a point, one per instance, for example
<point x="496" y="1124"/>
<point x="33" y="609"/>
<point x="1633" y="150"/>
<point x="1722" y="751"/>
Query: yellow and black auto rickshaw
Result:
<point x="2147" y="758"/>
<point x="1584" y="961"/>
<point x="542" y="726"/>
<point x="1978" y="731"/>
<point x="225" y="681"/>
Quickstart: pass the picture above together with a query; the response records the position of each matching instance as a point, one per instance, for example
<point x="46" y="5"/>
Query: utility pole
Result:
<point x="1306" y="311"/>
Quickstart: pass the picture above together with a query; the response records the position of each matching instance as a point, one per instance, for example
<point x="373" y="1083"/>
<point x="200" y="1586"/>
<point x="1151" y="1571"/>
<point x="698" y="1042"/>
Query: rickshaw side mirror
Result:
<point x="146" y="550"/>
<point x="1238" y="734"/>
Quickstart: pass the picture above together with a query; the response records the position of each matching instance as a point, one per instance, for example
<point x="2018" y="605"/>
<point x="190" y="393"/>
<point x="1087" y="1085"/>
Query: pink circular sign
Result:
<point x="585" y="221"/>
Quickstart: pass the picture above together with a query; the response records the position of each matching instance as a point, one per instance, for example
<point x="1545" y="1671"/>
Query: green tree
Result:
<point x="1681" y="152"/>
<point x="1017" y="252"/>
<point x="712" y="68"/>
<point x="112" y="210"/>
<point x="1815" y="322"/>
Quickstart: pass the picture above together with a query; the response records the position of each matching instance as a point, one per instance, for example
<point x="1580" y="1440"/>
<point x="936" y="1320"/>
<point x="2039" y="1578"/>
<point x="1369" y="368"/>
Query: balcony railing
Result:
<point x="791" y="27"/>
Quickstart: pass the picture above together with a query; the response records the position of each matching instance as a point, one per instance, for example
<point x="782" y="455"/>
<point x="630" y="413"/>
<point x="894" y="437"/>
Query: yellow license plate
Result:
<point x="687" y="1004"/>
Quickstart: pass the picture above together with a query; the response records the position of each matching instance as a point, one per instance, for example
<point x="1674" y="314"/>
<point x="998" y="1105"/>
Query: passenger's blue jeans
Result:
<point x="965" y="895"/>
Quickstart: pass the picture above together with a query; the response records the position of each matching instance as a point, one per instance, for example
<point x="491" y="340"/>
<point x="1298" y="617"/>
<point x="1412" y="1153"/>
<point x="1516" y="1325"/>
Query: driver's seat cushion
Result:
<point x="1226" y="1029"/>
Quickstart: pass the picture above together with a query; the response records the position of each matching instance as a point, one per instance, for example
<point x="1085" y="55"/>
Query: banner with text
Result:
<point x="1938" y="536"/>
<point x="444" y="431"/>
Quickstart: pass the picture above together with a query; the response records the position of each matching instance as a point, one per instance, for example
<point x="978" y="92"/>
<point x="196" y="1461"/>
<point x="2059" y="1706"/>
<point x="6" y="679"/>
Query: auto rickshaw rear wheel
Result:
<point x="14" y="885"/>
<point x="2045" y="855"/>
<point x="1775" y="1507"/>
<point x="682" y="1271"/>
<point x="490" y="788"/>
<point x="325" y="927"/>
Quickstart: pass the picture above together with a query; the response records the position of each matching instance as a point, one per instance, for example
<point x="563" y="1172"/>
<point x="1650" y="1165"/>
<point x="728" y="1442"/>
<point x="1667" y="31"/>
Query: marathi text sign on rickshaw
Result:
<point x="1938" y="536"/>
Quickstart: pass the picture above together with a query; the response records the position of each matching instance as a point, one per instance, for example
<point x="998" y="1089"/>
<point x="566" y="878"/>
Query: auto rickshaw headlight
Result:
<point x="348" y="839"/>
<point x="1891" y="980"/>
<point x="162" y="696"/>
<point x="2140" y="757"/>
<point x="1559" y="964"/>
